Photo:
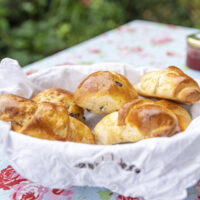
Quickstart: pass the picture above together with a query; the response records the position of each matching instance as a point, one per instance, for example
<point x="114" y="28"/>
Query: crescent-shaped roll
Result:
<point x="136" y="120"/>
<point x="43" y="120"/>
<point x="182" y="115"/>
<point x="103" y="92"/>
<point x="170" y="83"/>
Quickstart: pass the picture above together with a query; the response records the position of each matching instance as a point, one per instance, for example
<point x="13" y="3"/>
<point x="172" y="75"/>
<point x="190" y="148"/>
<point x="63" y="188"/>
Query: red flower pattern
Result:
<point x="125" y="28"/>
<point x="62" y="191"/>
<point x="29" y="191"/>
<point x="31" y="72"/>
<point x="65" y="63"/>
<point x="9" y="177"/>
<point x="157" y="41"/>
<point x="58" y="194"/>
<point x="198" y="197"/>
<point x="170" y="53"/>
<point x="57" y="191"/>
<point x="94" y="51"/>
<point x="120" y="197"/>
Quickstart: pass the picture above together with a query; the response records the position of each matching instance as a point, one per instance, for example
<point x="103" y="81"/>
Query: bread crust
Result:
<point x="43" y="120"/>
<point x="63" y="97"/>
<point x="124" y="110"/>
<point x="79" y="132"/>
<point x="16" y="110"/>
<point x="103" y="92"/>
<point x="136" y="120"/>
<point x="170" y="83"/>
<point x="49" y="121"/>
<point x="182" y="115"/>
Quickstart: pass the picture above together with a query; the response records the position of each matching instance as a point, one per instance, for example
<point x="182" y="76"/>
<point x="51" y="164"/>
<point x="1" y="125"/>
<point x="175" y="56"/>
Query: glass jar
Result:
<point x="193" y="51"/>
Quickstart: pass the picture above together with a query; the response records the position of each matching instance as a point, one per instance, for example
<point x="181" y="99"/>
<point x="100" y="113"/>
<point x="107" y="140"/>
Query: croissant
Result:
<point x="182" y="115"/>
<point x="104" y="92"/>
<point x="170" y="83"/>
<point x="43" y="120"/>
<point x="63" y="97"/>
<point x="141" y="119"/>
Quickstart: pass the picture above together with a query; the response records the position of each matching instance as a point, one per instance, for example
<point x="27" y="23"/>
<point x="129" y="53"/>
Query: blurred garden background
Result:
<point x="31" y="30"/>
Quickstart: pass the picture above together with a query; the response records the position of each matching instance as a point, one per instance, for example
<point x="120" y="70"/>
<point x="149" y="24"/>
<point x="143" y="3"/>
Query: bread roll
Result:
<point x="79" y="132"/>
<point x="63" y="97"/>
<point x="16" y="110"/>
<point x="170" y="83"/>
<point x="49" y="121"/>
<point x="182" y="115"/>
<point x="107" y="131"/>
<point x="43" y="120"/>
<point x="104" y="92"/>
<point x="130" y="105"/>
<point x="136" y="120"/>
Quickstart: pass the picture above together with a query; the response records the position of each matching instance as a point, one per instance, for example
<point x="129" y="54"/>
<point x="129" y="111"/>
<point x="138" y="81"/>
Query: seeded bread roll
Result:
<point x="136" y="120"/>
<point x="103" y="92"/>
<point x="63" y="97"/>
<point x="43" y="120"/>
<point x="170" y="83"/>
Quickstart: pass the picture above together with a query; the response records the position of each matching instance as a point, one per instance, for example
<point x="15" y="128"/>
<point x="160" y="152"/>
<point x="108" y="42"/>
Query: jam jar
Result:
<point x="193" y="51"/>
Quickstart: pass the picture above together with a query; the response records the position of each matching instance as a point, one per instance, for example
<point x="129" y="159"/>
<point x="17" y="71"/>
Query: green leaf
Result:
<point x="104" y="194"/>
<point x="63" y="30"/>
<point x="28" y="7"/>
<point x="4" y="24"/>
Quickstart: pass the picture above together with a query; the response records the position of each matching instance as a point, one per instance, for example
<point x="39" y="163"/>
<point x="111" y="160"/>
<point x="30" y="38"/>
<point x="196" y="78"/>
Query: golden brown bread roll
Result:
<point x="182" y="115"/>
<point x="135" y="121"/>
<point x="107" y="131"/>
<point x="170" y="83"/>
<point x="45" y="127"/>
<point x="130" y="105"/>
<point x="43" y="120"/>
<point x="60" y="96"/>
<point x="104" y="92"/>
<point x="16" y="110"/>
<point x="49" y="120"/>
<point x="79" y="132"/>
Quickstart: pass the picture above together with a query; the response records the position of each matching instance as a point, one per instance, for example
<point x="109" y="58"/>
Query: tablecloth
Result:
<point x="139" y="43"/>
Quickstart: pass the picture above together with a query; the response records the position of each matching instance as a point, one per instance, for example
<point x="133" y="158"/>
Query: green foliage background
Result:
<point x="31" y="30"/>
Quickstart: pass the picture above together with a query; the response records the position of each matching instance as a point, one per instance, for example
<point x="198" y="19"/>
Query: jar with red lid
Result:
<point x="193" y="51"/>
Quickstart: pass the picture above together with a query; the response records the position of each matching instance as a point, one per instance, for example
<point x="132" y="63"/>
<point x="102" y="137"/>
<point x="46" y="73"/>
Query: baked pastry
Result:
<point x="49" y="121"/>
<point x="63" y="97"/>
<point x="16" y="110"/>
<point x="182" y="115"/>
<point x="136" y="120"/>
<point x="43" y="120"/>
<point x="103" y="92"/>
<point x="170" y="83"/>
<point x="79" y="132"/>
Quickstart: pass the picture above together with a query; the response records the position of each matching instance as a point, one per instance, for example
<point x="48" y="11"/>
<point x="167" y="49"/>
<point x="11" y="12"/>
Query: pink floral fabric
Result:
<point x="9" y="178"/>
<point x="27" y="190"/>
<point x="23" y="189"/>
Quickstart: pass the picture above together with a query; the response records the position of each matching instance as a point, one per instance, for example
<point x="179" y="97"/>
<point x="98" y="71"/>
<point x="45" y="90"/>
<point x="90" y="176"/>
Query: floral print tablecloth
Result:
<point x="139" y="43"/>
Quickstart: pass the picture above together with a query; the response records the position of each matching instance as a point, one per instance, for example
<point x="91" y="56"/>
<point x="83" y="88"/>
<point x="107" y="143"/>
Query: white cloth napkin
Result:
<point x="162" y="168"/>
